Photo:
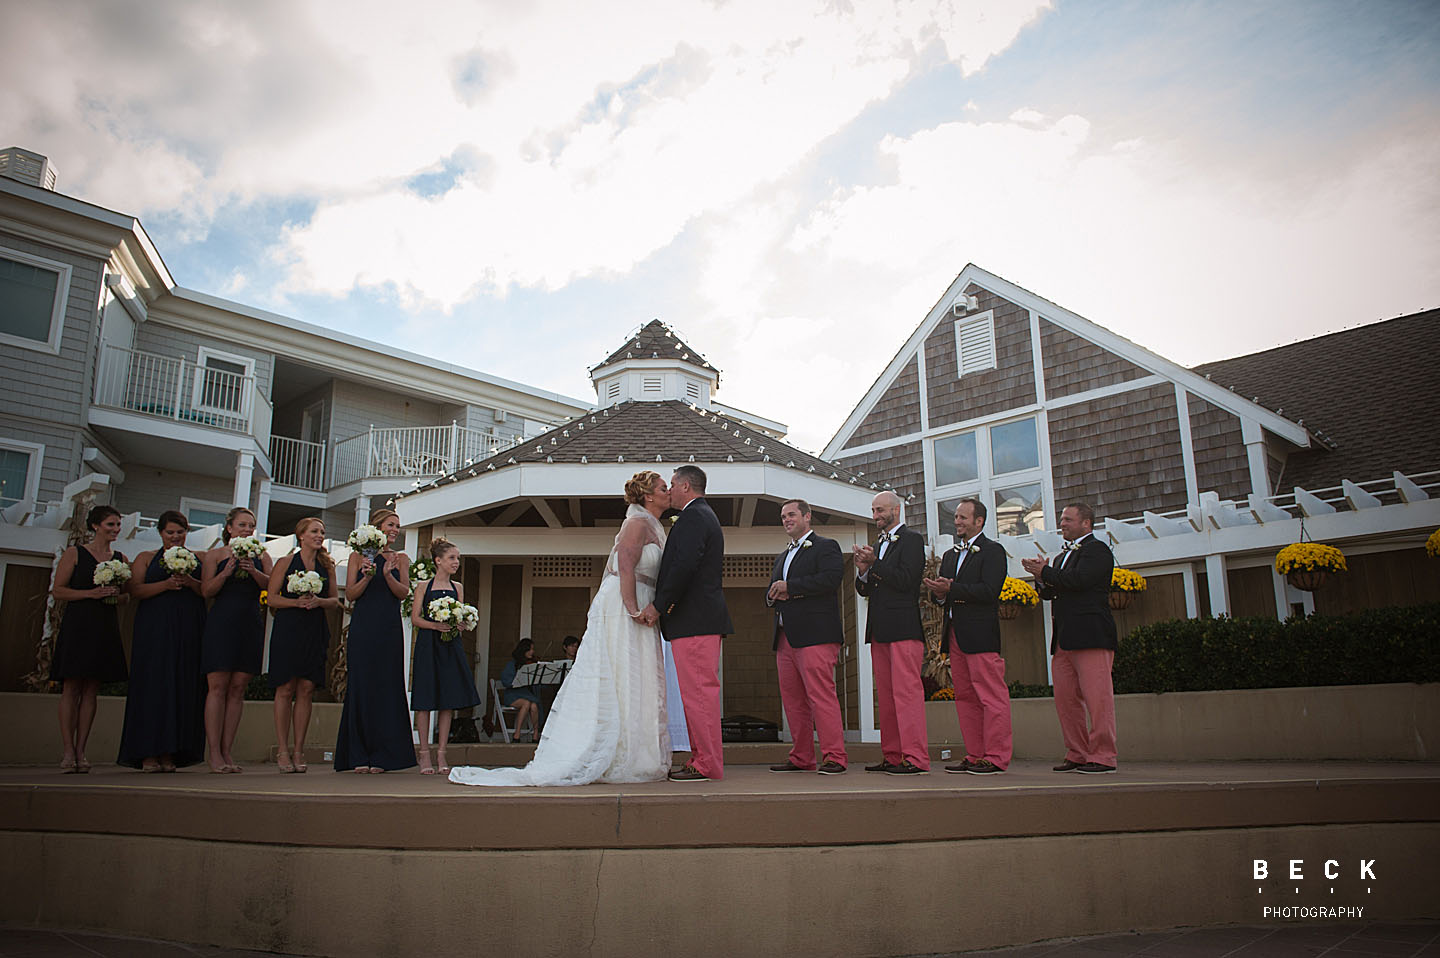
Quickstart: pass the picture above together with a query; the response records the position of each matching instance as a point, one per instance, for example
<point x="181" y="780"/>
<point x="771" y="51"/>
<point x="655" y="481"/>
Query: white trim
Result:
<point x="187" y="503"/>
<point x="1036" y="357"/>
<point x="36" y="452"/>
<point x="973" y="275"/>
<point x="1187" y="447"/>
<point x="1102" y="392"/>
<point x="63" y="272"/>
<point x="197" y="387"/>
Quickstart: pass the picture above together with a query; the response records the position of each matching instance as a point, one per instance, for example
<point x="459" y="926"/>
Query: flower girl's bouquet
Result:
<point x="450" y="611"/>
<point x="369" y="542"/>
<point x="246" y="547"/>
<point x="178" y="560"/>
<point x="111" y="572"/>
<point x="304" y="583"/>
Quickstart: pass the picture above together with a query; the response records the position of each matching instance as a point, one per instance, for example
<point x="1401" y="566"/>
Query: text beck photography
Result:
<point x="1295" y="877"/>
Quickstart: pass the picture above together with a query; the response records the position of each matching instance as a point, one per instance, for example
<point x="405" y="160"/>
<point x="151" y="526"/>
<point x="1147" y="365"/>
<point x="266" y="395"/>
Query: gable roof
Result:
<point x="670" y="431"/>
<point x="655" y="340"/>
<point x="1075" y="323"/>
<point x="1371" y="395"/>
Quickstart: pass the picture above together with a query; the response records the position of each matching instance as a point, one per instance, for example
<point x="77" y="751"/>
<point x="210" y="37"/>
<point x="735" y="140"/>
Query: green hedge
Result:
<point x="1193" y="655"/>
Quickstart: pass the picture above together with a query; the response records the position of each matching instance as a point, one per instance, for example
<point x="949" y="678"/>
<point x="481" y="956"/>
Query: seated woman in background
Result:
<point x="164" y="710"/>
<point x="526" y="702"/>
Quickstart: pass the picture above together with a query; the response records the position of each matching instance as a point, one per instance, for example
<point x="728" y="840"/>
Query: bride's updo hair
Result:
<point x="639" y="486"/>
<point x="439" y="547"/>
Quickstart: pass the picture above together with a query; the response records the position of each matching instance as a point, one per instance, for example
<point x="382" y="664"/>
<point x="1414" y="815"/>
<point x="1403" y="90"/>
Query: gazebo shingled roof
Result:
<point x="655" y="340"/>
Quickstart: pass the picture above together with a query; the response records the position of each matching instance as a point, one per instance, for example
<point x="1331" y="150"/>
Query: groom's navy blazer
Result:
<point x="812" y="613"/>
<point x="687" y="590"/>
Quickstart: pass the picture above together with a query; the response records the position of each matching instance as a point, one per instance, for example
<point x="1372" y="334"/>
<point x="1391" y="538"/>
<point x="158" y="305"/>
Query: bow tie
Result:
<point x="889" y="537"/>
<point x="1070" y="546"/>
<point x="794" y="545"/>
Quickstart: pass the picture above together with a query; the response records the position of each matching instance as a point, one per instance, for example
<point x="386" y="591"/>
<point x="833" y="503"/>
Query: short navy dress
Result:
<point x="442" y="677"/>
<point x="300" y="638"/>
<point x="235" y="629"/>
<point x="88" y="646"/>
<point x="375" y="722"/>
<point x="165" y="709"/>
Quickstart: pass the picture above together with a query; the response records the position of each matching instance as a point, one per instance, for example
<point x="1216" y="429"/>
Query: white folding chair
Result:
<point x="500" y="709"/>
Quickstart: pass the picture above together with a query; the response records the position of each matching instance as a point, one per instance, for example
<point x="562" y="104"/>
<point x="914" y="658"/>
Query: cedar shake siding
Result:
<point x="1012" y="383"/>
<point x="898" y="411"/>
<point x="1075" y="365"/>
<point x="1119" y="453"/>
<point x="1220" y="462"/>
<point x="903" y="468"/>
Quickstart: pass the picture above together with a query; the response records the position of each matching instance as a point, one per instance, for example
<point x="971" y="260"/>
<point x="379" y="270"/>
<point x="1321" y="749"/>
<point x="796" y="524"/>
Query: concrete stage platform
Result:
<point x="759" y="864"/>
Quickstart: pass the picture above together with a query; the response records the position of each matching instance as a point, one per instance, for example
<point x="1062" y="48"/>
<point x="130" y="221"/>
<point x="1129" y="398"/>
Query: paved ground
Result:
<point x="1354" y="940"/>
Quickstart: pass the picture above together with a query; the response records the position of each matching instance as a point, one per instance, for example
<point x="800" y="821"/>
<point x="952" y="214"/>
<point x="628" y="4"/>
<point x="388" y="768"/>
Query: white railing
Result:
<point x="419" y="451"/>
<point x="180" y="390"/>
<point x="298" y="463"/>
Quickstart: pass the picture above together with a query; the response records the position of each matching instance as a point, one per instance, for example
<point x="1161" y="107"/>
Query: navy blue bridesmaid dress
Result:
<point x="88" y="646"/>
<point x="165" y="709"/>
<point x="442" y="678"/>
<point x="235" y="629"/>
<point x="375" y="722"/>
<point x="300" y="638"/>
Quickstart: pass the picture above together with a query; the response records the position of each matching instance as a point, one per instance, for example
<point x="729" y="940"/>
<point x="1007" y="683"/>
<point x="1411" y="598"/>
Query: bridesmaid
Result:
<point x="299" y="640"/>
<point x="374" y="731"/>
<point x="88" y="650"/>
<point x="234" y="643"/>
<point x="442" y="679"/>
<point x="164" y="726"/>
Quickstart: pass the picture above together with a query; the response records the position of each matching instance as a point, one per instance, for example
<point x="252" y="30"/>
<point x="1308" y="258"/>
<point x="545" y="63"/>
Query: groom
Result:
<point x="693" y="617"/>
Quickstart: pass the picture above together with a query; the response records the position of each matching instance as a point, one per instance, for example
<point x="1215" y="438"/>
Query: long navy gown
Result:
<point x="375" y="722"/>
<point x="165" y="709"/>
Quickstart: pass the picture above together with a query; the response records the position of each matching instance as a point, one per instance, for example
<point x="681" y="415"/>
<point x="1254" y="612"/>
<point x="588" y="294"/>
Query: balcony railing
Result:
<point x="177" y="389"/>
<point x="298" y="463"/>
<point x="412" y="451"/>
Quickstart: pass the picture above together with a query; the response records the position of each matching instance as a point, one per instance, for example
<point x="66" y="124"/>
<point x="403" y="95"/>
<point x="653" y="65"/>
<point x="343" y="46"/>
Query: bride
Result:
<point x="608" y="721"/>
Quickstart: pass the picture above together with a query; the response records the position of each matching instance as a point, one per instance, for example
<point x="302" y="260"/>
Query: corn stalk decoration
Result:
<point x="340" y="671"/>
<point x="932" y="618"/>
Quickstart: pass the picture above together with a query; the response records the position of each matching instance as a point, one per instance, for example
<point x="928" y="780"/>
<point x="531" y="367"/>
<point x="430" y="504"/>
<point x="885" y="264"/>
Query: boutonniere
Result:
<point x="673" y="519"/>
<point x="806" y="544"/>
<point x="974" y="548"/>
<point x="1070" y="547"/>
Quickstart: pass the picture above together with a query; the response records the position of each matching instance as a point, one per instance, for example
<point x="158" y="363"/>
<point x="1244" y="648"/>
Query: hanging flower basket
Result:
<point x="1308" y="565"/>
<point x="1432" y="545"/>
<point x="1016" y="594"/>
<point x="1125" y="585"/>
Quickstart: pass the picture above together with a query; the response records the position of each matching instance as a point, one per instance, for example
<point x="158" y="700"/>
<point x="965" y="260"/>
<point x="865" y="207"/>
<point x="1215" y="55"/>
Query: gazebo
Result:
<point x="536" y="522"/>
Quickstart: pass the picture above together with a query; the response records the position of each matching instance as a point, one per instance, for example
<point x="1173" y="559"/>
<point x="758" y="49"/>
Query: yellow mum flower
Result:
<point x="943" y="695"/>
<point x="1308" y="557"/>
<point x="1126" y="580"/>
<point x="1432" y="545"/>
<point x="1019" y="591"/>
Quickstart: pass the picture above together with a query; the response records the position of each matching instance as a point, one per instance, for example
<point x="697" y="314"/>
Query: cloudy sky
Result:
<point x="791" y="185"/>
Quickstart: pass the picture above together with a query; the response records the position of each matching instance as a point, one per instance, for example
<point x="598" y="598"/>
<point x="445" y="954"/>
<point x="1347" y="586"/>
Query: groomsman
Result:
<point x="804" y="591"/>
<point x="968" y="586"/>
<point x="1083" y="643"/>
<point x="889" y="576"/>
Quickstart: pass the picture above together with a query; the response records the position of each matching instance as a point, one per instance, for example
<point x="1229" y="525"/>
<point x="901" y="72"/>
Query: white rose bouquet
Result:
<point x="178" y="560"/>
<point x="304" y="583"/>
<point x="111" y="572"/>
<point x="369" y="542"/>
<point x="450" y="611"/>
<point x="246" y="547"/>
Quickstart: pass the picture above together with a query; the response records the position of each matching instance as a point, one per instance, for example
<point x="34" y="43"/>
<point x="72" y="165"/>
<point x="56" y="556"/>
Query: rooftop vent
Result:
<point x="27" y="167"/>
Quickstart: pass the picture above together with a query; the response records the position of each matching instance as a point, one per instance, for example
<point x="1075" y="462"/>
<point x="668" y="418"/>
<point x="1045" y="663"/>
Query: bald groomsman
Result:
<point x="1083" y="641"/>
<point x="805" y="593"/>
<point x="970" y="578"/>
<point x="889" y="576"/>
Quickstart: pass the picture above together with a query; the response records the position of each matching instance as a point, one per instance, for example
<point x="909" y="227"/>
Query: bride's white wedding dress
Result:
<point x="608" y="723"/>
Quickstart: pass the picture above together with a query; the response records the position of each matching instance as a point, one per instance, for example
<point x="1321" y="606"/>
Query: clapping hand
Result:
<point x="864" y="557"/>
<point x="1033" y="566"/>
<point x="939" y="585"/>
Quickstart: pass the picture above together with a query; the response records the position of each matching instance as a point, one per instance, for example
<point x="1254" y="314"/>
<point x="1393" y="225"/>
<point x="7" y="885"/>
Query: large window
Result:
<point x="222" y="382"/>
<point x="1000" y="466"/>
<point x="19" y="471"/>
<point x="203" y="513"/>
<point x="32" y="300"/>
